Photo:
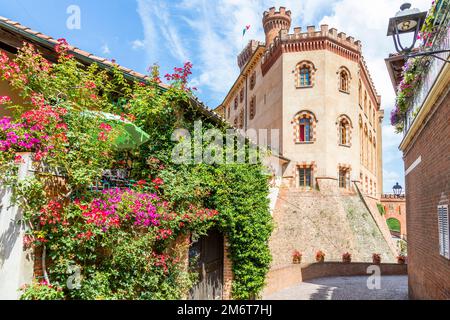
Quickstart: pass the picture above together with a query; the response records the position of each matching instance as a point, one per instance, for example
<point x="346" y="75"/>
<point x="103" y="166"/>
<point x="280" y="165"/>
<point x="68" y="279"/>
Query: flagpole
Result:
<point x="244" y="33"/>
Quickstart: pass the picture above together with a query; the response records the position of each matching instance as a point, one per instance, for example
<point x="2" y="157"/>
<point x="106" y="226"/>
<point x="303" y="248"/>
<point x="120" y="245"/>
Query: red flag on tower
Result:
<point x="245" y="30"/>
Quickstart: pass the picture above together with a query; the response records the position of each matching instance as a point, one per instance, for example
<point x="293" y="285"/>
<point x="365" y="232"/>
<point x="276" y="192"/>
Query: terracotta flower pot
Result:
<point x="376" y="260"/>
<point x="297" y="260"/>
<point x="401" y="260"/>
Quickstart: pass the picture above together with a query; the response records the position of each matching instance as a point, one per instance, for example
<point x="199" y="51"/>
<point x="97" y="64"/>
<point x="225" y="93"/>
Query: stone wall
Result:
<point x="309" y="221"/>
<point x="290" y="275"/>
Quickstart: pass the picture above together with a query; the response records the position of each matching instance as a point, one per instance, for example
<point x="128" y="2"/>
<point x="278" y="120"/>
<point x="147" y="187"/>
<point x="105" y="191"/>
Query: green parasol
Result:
<point x="130" y="135"/>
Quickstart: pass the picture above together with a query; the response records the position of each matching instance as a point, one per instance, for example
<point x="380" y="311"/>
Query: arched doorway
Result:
<point x="206" y="257"/>
<point x="394" y="226"/>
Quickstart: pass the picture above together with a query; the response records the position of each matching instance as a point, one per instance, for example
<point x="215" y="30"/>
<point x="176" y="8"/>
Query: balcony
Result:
<point x="433" y="67"/>
<point x="415" y="78"/>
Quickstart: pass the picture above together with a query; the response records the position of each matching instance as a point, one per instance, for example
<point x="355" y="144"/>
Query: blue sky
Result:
<point x="138" y="33"/>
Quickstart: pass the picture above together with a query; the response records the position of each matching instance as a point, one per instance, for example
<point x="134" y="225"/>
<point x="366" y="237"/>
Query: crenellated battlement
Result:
<point x="273" y="13"/>
<point x="247" y="53"/>
<point x="312" y="39"/>
<point x="324" y="31"/>
<point x="275" y="21"/>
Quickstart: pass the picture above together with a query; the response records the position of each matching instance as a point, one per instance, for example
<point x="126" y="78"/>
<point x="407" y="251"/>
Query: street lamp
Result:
<point x="409" y="20"/>
<point x="397" y="190"/>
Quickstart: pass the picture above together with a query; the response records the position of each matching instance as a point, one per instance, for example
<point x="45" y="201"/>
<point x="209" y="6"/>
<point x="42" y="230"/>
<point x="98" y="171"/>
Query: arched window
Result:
<point x="344" y="127"/>
<point x="360" y="93"/>
<point x="370" y="152"/>
<point x="366" y="185"/>
<point x="305" y="71"/>
<point x="361" y="141"/>
<point x="343" y="131"/>
<point x="375" y="165"/>
<point x="344" y="79"/>
<point x="393" y="225"/>
<point x="370" y="112"/>
<point x="304" y="126"/>
<point x="241" y="119"/>
<point x="365" y="102"/>
<point x="344" y="177"/>
<point x="252" y="107"/>
<point x="374" y="117"/>
<point x="305" y="77"/>
<point x="253" y="80"/>
<point x="236" y="103"/>
<point x="366" y="144"/>
<point x="305" y="130"/>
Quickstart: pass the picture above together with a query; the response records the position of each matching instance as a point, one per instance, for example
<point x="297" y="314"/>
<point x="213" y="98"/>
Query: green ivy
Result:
<point x="116" y="264"/>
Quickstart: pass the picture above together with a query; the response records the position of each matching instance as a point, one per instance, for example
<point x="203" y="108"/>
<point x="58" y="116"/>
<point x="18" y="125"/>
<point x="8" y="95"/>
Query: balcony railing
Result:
<point x="440" y="41"/>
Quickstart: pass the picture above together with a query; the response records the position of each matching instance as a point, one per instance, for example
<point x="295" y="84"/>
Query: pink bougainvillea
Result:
<point x="4" y="99"/>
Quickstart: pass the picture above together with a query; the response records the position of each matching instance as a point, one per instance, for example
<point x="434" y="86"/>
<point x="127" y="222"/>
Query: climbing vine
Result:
<point x="122" y="242"/>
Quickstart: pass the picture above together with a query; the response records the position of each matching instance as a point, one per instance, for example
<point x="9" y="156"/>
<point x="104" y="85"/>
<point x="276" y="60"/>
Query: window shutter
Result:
<point x="444" y="237"/>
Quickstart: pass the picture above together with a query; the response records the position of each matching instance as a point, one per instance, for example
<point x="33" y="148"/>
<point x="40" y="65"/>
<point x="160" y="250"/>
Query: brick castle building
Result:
<point x="315" y="89"/>
<point x="395" y="214"/>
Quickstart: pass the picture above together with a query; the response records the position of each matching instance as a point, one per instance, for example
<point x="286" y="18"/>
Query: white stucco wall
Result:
<point x="16" y="264"/>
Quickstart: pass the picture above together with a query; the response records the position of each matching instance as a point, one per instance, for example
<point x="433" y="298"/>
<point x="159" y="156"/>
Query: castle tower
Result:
<point x="310" y="97"/>
<point x="274" y="22"/>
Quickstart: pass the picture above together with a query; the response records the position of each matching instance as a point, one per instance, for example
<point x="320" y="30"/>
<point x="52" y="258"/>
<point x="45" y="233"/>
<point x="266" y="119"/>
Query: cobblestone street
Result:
<point x="345" y="288"/>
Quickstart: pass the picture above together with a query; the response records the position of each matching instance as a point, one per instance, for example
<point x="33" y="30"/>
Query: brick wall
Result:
<point x="227" y="272"/>
<point x="426" y="185"/>
<point x="290" y="275"/>
<point x="396" y="208"/>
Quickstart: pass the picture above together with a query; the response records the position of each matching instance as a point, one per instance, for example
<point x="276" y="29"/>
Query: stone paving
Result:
<point x="345" y="288"/>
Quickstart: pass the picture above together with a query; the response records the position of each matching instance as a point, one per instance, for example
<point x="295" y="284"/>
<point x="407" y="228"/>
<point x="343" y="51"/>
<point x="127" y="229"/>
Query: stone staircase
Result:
<point x="332" y="222"/>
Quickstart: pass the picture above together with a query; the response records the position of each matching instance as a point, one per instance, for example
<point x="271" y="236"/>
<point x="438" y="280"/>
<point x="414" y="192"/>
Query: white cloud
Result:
<point x="159" y="28"/>
<point x="215" y="29"/>
<point x="219" y="25"/>
<point x="138" y="44"/>
<point x="390" y="178"/>
<point x="367" y="21"/>
<point x="144" y="10"/>
<point x="105" y="49"/>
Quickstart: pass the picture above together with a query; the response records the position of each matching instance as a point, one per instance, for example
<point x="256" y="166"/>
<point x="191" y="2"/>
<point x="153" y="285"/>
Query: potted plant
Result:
<point x="320" y="256"/>
<point x="296" y="257"/>
<point x="401" y="259"/>
<point x="376" y="258"/>
<point x="346" y="258"/>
